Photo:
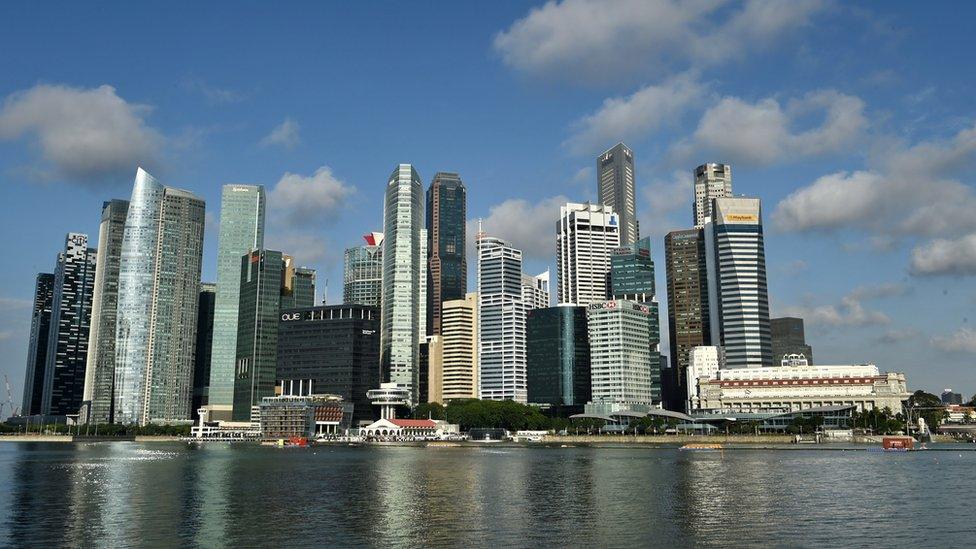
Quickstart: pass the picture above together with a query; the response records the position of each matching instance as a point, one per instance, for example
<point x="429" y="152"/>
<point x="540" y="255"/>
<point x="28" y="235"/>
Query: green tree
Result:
<point x="432" y="410"/>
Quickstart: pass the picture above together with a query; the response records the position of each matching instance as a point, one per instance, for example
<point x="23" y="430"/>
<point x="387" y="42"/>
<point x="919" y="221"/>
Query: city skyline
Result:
<point x="854" y="273"/>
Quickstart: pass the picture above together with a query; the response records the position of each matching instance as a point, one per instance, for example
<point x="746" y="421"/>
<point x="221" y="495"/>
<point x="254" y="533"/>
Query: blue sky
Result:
<point x="855" y="125"/>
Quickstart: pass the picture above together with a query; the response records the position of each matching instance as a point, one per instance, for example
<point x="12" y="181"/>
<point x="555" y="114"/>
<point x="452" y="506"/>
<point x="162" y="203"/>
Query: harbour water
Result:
<point x="123" y="494"/>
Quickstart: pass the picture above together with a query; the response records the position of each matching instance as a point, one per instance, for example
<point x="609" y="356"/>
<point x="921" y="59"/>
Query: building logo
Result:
<point x="288" y="317"/>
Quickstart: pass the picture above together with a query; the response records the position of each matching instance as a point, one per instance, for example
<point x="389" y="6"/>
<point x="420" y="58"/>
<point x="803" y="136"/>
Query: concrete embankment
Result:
<point x="669" y="439"/>
<point x="83" y="438"/>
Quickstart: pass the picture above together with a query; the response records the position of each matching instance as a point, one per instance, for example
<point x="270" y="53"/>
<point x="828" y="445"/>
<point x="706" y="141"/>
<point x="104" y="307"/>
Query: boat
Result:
<point x="701" y="446"/>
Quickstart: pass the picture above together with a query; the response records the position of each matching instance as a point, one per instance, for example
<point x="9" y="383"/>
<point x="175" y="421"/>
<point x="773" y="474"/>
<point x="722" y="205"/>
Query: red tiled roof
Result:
<point x="404" y="423"/>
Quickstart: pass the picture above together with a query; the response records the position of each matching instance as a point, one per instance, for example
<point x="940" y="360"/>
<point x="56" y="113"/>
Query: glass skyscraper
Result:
<point x="402" y="328"/>
<point x="37" y="345"/>
<point x="100" y="373"/>
<point x="447" y="267"/>
<point x="688" y="318"/>
<point x="362" y="277"/>
<point x="615" y="173"/>
<point x="241" y="230"/>
<point x="159" y="286"/>
<point x="201" y="362"/>
<point x="558" y="356"/>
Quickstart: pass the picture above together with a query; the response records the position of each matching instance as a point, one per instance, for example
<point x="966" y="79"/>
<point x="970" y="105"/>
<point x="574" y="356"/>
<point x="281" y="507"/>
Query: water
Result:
<point x="124" y="494"/>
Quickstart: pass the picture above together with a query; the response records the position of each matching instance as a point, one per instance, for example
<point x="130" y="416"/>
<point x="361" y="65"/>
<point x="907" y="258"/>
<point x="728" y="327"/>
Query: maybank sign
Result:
<point x="741" y="218"/>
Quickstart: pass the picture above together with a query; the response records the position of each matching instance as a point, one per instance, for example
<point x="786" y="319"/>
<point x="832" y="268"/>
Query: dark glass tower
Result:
<point x="205" y="332"/>
<point x="447" y="268"/>
<point x="37" y="346"/>
<point x="688" y="321"/>
<point x="558" y="356"/>
<point x="789" y="339"/>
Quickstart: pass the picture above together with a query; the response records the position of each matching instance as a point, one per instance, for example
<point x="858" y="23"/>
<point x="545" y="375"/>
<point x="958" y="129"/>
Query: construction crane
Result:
<point x="9" y="403"/>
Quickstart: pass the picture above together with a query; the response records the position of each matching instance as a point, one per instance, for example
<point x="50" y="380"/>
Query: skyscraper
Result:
<point x="100" y="371"/>
<point x="204" y="345"/>
<point x="362" y="278"/>
<point x="402" y="326"/>
<point x="67" y="342"/>
<point x="159" y="291"/>
<point x="501" y="320"/>
<point x="558" y="356"/>
<point x="688" y="319"/>
<point x="738" y="300"/>
<point x="298" y="285"/>
<point x="615" y="169"/>
<point x="535" y="291"/>
<point x="241" y="230"/>
<point x="459" y="341"/>
<point x="712" y="181"/>
<point x="586" y="234"/>
<point x="37" y="344"/>
<point x="447" y="267"/>
<point x="788" y="339"/>
<point x="621" y="369"/>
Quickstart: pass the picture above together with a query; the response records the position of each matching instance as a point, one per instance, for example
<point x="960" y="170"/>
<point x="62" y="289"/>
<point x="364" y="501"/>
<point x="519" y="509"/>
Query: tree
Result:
<point x="431" y="410"/>
<point x="928" y="407"/>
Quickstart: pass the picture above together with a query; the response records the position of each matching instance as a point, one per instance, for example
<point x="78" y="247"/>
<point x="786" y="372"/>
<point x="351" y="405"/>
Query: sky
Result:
<point x="854" y="124"/>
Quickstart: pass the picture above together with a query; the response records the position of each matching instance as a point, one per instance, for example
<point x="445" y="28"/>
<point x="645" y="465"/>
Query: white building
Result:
<point x="535" y="291"/>
<point x="501" y="320"/>
<point x="704" y="362"/>
<point x="712" y="180"/>
<point x="792" y="388"/>
<point x="620" y="357"/>
<point x="586" y="235"/>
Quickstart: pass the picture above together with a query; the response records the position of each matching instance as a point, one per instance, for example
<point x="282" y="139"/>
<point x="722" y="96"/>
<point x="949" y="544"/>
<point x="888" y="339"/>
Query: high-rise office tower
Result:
<point x="535" y="291"/>
<point x="501" y="320"/>
<point x="712" y="181"/>
<point x="37" y="344"/>
<point x="432" y="358"/>
<point x="203" y="355"/>
<point x="100" y="371"/>
<point x="788" y="339"/>
<point x="241" y="230"/>
<point x="67" y="341"/>
<point x="688" y="319"/>
<point x="558" y="356"/>
<point x="621" y="369"/>
<point x="332" y="349"/>
<point x="615" y="170"/>
<point x="447" y="268"/>
<point x="362" y="278"/>
<point x="459" y="340"/>
<point x="586" y="234"/>
<point x="402" y="326"/>
<point x="159" y="291"/>
<point x="738" y="301"/>
<point x="298" y="285"/>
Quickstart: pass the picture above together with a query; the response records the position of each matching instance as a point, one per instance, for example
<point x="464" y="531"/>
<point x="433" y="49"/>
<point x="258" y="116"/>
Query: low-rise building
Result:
<point x="309" y="416"/>
<point x="408" y="429"/>
<point x="960" y="414"/>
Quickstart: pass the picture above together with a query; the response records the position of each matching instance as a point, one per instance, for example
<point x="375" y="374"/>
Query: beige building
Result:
<point x="435" y="368"/>
<point x="459" y="350"/>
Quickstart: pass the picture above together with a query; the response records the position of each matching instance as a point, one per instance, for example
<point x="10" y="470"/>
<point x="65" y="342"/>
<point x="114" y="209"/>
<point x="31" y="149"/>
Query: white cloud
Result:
<point x="214" y="94"/>
<point x="284" y="134"/>
<point x="15" y="303"/>
<point x="834" y="200"/>
<point x="595" y="41"/>
<point x="647" y="109"/>
<point x="85" y="134"/>
<point x="306" y="247"/>
<point x="315" y="199"/>
<point x="527" y="226"/>
<point x="945" y="257"/>
<point x="962" y="340"/>
<point x="850" y="311"/>
<point x="662" y="199"/>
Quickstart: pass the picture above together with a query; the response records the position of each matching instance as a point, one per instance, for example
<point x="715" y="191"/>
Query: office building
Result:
<point x="459" y="335"/>
<point x="40" y="328"/>
<point x="362" y="276"/>
<point x="622" y="372"/>
<point x="558" y="356"/>
<point x="447" y="268"/>
<point x="738" y="301"/>
<point x="788" y="339"/>
<point x="688" y="318"/>
<point x="704" y="361"/>
<point x="159" y="291"/>
<point x="586" y="234"/>
<point x="950" y="398"/>
<point x="433" y="384"/>
<point x="331" y="349"/>
<point x="402" y="327"/>
<point x="321" y="416"/>
<point x="615" y="173"/>
<point x="712" y="181"/>
<point x="201" y="361"/>
<point x="501" y="320"/>
<point x="298" y="285"/>
<point x="100" y="370"/>
<point x="242" y="213"/>
<point x="67" y="340"/>
<point x="535" y="291"/>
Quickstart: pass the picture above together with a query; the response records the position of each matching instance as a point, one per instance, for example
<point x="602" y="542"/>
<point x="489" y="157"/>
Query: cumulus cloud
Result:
<point x="647" y="109"/>
<point x="593" y="41"/>
<point x="299" y="199"/>
<point x="850" y="311"/>
<point x="83" y="134"/>
<point x="663" y="199"/>
<point x="766" y="132"/>
<point x="531" y="227"/>
<point x="306" y="247"/>
<point x="285" y="134"/>
<point x="945" y="257"/>
<point x="962" y="340"/>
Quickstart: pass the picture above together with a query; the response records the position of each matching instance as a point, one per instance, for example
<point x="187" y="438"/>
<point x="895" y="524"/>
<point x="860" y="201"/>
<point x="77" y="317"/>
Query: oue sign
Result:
<point x="287" y="317"/>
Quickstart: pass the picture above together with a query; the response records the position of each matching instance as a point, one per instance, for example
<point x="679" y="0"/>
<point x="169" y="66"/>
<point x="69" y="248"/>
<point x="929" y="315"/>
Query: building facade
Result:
<point x="402" y="326"/>
<point x="738" y="299"/>
<point x="704" y="361"/>
<point x="447" y="267"/>
<point x="333" y="349"/>
<point x="37" y="344"/>
<point x="586" y="234"/>
<point x="298" y="285"/>
<point x="535" y="291"/>
<point x="689" y="324"/>
<point x="201" y="361"/>
<point x="459" y="335"/>
<point x="159" y="291"/>
<point x="712" y="180"/>
<point x="621" y="367"/>
<point x="67" y="340"/>
<point x="501" y="321"/>
<point x="242" y="213"/>
<point x="615" y="173"/>
<point x="100" y="369"/>
<point x="362" y="277"/>
<point x="788" y="339"/>
<point x="558" y="356"/>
